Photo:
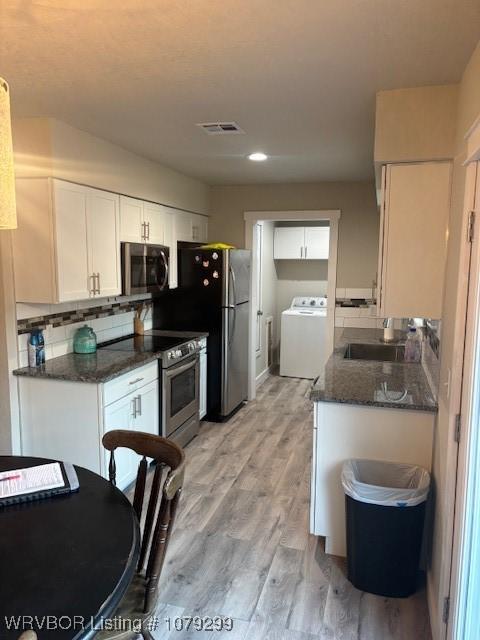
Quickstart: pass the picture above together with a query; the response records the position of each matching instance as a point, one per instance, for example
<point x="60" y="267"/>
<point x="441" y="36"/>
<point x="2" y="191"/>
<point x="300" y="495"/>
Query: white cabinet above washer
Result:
<point x="301" y="243"/>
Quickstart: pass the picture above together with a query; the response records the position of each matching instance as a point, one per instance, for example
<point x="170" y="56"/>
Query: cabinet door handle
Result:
<point x="134" y="407"/>
<point x="135" y="381"/>
<point x="143" y="231"/>
<point x="139" y="405"/>
<point x="148" y="232"/>
<point x="301" y="252"/>
<point x="98" y="283"/>
<point x="92" y="290"/>
<point x="306" y="251"/>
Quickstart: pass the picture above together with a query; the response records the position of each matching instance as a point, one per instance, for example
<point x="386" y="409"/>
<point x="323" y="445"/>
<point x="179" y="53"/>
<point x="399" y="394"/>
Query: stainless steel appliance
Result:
<point x="179" y="379"/>
<point x="144" y="268"/>
<point x="213" y="296"/>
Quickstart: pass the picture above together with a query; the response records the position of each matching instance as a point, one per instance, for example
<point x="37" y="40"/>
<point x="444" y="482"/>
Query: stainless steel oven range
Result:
<point x="179" y="378"/>
<point x="180" y="392"/>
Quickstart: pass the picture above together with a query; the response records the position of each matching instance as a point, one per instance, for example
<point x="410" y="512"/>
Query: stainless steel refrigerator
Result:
<point x="213" y="296"/>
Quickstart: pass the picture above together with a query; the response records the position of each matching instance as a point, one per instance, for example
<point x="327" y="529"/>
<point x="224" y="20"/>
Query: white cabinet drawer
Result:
<point x="129" y="382"/>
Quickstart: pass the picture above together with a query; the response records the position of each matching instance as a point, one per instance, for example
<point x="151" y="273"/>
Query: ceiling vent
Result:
<point x="220" y="128"/>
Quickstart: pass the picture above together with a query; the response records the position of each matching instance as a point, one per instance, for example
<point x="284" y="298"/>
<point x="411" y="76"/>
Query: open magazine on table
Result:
<point x="35" y="483"/>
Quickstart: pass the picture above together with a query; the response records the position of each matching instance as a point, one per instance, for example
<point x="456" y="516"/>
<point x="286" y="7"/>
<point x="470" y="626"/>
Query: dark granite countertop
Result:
<point x="102" y="366"/>
<point x="395" y="385"/>
<point x="99" y="367"/>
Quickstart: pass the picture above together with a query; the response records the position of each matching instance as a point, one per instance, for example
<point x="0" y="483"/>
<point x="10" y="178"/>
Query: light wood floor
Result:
<point x="241" y="546"/>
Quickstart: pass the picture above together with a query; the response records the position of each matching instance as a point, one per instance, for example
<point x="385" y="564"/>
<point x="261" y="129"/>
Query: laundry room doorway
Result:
<point x="294" y="254"/>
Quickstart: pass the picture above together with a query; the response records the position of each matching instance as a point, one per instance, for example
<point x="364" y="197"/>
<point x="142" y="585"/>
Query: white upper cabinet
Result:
<point x="317" y="242"/>
<point x="289" y="243"/>
<point x="131" y="220"/>
<point x="141" y="221"/>
<point x="103" y="223"/>
<point x="413" y="239"/>
<point x="301" y="243"/>
<point x="66" y="246"/>
<point x="154" y="223"/>
<point x="199" y="228"/>
<point x="191" y="227"/>
<point x="69" y="202"/>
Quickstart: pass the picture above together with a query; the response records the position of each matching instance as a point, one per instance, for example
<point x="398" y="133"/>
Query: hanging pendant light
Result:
<point x="8" y="213"/>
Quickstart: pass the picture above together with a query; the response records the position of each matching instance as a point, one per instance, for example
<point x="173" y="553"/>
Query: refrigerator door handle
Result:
<point x="231" y="334"/>
<point x="225" y="360"/>
<point x="234" y="285"/>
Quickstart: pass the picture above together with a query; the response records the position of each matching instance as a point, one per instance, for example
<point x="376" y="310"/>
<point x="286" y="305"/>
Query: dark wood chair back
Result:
<point x="159" y="519"/>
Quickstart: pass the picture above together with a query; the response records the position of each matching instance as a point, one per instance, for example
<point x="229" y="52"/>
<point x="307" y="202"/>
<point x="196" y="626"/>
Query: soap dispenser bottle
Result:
<point x="413" y="346"/>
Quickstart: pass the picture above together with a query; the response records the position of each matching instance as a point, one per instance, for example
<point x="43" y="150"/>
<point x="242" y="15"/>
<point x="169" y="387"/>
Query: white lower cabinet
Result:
<point x="343" y="431"/>
<point x="119" y="415"/>
<point x="67" y="420"/>
<point x="137" y="411"/>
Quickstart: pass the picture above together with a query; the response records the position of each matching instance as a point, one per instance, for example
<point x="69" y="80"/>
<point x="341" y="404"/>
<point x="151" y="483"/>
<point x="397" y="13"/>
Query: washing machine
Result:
<point x="303" y="340"/>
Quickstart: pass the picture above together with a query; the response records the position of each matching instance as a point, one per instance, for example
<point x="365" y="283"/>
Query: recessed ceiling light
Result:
<point x="258" y="156"/>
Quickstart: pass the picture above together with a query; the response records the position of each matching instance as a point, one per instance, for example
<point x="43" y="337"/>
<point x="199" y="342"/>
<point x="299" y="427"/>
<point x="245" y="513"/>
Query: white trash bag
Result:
<point x="385" y="483"/>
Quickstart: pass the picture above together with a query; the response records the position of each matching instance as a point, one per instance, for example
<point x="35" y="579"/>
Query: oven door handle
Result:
<point x="175" y="370"/>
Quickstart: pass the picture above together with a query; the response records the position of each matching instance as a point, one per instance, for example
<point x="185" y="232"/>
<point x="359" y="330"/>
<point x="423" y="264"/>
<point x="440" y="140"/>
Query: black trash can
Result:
<point x="385" y="514"/>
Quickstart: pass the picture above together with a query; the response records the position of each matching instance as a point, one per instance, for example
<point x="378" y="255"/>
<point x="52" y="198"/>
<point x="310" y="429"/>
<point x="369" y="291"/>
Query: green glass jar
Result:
<point x="85" y="340"/>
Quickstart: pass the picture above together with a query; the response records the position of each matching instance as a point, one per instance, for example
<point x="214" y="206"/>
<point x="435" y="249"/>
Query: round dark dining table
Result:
<point x="65" y="561"/>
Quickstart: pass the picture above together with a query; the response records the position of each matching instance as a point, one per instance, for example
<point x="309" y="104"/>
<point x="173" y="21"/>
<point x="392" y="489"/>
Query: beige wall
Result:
<point x="468" y="111"/>
<point x="358" y="228"/>
<point x="50" y="147"/>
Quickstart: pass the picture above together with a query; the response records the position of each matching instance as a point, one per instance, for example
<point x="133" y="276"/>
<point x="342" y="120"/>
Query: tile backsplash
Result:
<point x="110" y="318"/>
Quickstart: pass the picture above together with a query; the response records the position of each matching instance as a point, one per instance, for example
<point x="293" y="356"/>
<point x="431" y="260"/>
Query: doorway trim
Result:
<point x="251" y="219"/>
<point x="466" y="526"/>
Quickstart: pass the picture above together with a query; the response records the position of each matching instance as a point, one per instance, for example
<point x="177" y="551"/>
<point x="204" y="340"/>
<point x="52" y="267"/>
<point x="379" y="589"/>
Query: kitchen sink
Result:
<point x="378" y="352"/>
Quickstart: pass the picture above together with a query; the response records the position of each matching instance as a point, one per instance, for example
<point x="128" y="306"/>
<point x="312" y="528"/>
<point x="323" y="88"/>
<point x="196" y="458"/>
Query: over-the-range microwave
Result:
<point x="144" y="268"/>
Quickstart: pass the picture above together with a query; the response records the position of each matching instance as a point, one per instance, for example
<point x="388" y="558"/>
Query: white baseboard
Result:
<point x="435" y="622"/>
<point x="260" y="379"/>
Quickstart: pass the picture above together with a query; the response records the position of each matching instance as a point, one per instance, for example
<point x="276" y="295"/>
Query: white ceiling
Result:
<point x="299" y="76"/>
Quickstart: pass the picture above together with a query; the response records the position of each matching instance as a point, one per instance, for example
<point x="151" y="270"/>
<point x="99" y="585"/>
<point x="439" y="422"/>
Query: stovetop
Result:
<point x="170" y="349"/>
<point x="143" y="344"/>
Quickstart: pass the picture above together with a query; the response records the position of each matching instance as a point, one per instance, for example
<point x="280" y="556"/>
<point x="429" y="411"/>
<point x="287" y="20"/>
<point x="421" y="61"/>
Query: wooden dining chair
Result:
<point x="140" y="600"/>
